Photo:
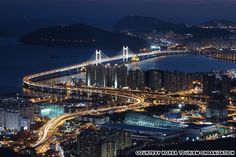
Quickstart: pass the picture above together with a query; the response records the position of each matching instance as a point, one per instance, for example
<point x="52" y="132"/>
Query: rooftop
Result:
<point x="133" y="128"/>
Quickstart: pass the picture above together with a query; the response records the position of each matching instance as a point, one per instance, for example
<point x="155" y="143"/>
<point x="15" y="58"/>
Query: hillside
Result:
<point x="140" y="23"/>
<point x="83" y="36"/>
<point x="218" y="24"/>
<point x="147" y="24"/>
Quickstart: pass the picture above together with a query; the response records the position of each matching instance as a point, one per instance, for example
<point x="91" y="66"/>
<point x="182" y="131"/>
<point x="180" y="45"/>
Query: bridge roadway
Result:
<point x="27" y="79"/>
<point x="32" y="81"/>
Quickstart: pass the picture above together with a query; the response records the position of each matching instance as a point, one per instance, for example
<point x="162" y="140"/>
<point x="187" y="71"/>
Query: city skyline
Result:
<point x="104" y="78"/>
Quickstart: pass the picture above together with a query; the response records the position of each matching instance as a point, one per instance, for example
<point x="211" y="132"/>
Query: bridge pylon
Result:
<point x="98" y="57"/>
<point x="125" y="53"/>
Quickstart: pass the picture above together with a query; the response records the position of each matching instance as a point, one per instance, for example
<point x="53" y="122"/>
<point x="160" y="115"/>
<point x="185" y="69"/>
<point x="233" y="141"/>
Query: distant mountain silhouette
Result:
<point x="217" y="23"/>
<point x="141" y="23"/>
<point x="147" y="24"/>
<point x="83" y="36"/>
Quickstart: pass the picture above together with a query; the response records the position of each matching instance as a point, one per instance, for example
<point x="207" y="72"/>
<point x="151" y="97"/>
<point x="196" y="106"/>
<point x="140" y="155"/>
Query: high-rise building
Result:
<point x="171" y="81"/>
<point x="102" y="143"/>
<point x="168" y="81"/>
<point x="121" y="75"/>
<point x="12" y="119"/>
<point x="90" y="75"/>
<point x="123" y="139"/>
<point x="136" y="79"/>
<point x="69" y="147"/>
<point x="89" y="143"/>
<point x="95" y="75"/>
<point x="27" y="110"/>
<point x="109" y="148"/>
<point x="154" y="79"/>
<point x="110" y="76"/>
<point x="217" y="108"/>
<point x="106" y="75"/>
<point x="2" y="119"/>
<point x="100" y="75"/>
<point x="14" y="108"/>
<point x="225" y="85"/>
<point x="209" y="84"/>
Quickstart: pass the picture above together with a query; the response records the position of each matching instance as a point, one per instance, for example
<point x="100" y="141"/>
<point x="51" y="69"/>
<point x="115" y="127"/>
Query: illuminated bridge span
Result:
<point x="125" y="55"/>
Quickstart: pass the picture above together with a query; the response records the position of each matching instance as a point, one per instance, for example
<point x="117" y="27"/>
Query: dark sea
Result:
<point x="18" y="60"/>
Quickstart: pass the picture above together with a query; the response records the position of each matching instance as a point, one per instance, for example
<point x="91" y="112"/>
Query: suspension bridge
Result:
<point x="125" y="55"/>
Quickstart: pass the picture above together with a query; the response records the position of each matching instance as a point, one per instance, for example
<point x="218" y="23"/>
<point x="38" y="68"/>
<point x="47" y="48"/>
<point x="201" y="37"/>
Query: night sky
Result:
<point x="36" y="13"/>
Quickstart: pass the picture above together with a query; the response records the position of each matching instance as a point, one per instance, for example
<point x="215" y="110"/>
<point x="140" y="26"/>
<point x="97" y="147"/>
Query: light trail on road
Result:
<point x="138" y="101"/>
<point x="53" y="123"/>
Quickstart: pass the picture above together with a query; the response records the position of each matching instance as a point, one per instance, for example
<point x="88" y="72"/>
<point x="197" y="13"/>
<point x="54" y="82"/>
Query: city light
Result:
<point x="140" y="86"/>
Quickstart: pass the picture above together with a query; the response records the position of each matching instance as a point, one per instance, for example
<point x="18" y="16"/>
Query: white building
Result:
<point x="2" y="119"/>
<point x="12" y="119"/>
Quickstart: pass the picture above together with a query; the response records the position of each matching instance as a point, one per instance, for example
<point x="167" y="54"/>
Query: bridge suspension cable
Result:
<point x="125" y="53"/>
<point x="98" y="57"/>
